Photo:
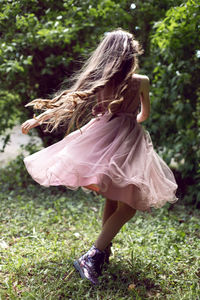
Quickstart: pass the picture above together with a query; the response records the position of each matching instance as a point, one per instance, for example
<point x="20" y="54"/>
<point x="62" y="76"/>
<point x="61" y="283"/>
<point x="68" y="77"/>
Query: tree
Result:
<point x="43" y="42"/>
<point x="175" y="122"/>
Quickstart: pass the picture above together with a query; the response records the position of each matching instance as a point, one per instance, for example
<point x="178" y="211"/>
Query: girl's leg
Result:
<point x="90" y="264"/>
<point x="113" y="224"/>
<point x="109" y="208"/>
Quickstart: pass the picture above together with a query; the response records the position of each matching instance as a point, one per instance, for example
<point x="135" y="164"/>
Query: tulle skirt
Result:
<point x="114" y="157"/>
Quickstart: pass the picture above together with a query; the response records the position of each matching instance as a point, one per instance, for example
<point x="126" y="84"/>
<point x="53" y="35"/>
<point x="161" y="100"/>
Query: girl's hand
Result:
<point x="140" y="118"/>
<point x="27" y="125"/>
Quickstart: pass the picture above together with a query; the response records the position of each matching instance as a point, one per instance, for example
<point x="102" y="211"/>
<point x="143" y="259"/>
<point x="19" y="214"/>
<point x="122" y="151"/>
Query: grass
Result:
<point x="42" y="231"/>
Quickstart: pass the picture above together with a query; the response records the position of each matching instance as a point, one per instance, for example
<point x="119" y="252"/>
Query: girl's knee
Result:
<point x="126" y="210"/>
<point x="111" y="203"/>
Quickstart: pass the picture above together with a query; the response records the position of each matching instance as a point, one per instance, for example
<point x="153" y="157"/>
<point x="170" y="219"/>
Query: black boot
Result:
<point x="90" y="264"/>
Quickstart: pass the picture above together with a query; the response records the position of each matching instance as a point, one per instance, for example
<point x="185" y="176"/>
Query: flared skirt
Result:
<point x="114" y="157"/>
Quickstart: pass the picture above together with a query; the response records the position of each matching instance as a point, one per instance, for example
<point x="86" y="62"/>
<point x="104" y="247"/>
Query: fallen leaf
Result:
<point x="131" y="286"/>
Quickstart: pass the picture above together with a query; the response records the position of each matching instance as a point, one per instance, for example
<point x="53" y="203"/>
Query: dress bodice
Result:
<point x="131" y="102"/>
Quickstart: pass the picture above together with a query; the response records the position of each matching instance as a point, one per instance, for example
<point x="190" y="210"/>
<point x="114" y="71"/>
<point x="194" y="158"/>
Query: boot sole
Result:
<point x="78" y="269"/>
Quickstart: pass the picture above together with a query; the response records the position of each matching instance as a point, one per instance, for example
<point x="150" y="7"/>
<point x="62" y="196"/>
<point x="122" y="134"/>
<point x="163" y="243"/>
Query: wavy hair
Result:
<point x="111" y="65"/>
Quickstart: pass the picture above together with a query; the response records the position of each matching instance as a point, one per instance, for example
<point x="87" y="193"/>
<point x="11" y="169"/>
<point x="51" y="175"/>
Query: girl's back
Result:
<point x="137" y="88"/>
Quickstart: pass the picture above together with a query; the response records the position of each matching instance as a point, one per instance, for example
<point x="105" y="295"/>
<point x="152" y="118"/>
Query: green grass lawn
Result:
<point x="42" y="231"/>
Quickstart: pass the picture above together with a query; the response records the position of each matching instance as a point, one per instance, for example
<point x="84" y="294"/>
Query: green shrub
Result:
<point x="175" y="122"/>
<point x="9" y="114"/>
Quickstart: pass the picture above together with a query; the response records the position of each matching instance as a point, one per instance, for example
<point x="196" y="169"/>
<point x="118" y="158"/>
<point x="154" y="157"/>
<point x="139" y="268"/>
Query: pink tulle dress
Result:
<point x="112" y="155"/>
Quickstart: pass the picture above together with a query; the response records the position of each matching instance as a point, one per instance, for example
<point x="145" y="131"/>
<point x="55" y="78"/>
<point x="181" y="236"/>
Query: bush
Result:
<point x="175" y="122"/>
<point x="9" y="114"/>
<point x="42" y="42"/>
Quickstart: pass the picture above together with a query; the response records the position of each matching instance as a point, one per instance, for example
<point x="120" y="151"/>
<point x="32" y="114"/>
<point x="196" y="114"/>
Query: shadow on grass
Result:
<point x="59" y="280"/>
<point x="130" y="279"/>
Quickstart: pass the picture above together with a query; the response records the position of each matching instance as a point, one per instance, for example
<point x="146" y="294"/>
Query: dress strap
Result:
<point x="131" y="115"/>
<point x="127" y="114"/>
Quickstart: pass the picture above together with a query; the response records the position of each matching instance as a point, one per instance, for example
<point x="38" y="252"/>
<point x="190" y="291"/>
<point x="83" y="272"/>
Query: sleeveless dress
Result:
<point x="112" y="155"/>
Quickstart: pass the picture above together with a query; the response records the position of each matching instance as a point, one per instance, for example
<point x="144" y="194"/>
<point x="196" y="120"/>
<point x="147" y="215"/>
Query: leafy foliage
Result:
<point x="9" y="113"/>
<point x="175" y="122"/>
<point x="43" y="43"/>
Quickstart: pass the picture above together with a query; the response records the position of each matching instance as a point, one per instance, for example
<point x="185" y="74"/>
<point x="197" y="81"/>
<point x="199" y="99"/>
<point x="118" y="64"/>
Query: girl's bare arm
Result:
<point x="34" y="122"/>
<point x="144" y="98"/>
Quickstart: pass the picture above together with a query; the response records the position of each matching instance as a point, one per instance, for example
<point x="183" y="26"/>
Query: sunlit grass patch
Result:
<point x="155" y="256"/>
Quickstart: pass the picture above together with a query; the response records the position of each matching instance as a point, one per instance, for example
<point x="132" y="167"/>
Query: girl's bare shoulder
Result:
<point x="144" y="82"/>
<point x="143" y="78"/>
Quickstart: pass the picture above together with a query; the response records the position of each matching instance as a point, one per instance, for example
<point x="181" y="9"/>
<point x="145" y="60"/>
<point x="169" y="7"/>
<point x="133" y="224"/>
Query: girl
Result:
<point x="111" y="154"/>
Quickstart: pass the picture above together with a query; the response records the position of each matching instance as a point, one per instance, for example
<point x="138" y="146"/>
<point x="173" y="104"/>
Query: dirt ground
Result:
<point x="13" y="147"/>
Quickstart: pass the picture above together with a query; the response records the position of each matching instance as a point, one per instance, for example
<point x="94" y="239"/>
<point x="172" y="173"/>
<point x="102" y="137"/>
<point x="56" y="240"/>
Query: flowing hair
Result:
<point x="112" y="64"/>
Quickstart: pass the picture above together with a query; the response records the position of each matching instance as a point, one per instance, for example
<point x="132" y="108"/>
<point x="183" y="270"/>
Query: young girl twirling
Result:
<point x="111" y="153"/>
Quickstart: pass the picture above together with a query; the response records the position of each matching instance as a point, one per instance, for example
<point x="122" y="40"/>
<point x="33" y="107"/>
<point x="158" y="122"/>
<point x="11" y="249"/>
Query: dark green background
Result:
<point x="43" y="42"/>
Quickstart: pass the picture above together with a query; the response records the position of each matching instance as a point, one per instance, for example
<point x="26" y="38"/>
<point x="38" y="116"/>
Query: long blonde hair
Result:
<point x="114" y="60"/>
